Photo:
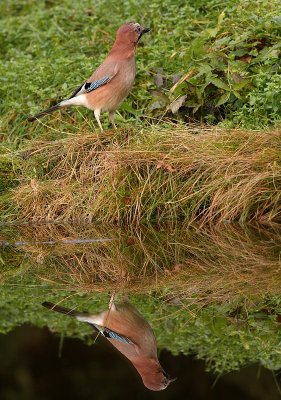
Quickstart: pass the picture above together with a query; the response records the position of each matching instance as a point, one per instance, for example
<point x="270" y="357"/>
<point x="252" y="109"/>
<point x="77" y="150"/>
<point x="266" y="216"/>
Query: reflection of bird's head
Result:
<point x="153" y="376"/>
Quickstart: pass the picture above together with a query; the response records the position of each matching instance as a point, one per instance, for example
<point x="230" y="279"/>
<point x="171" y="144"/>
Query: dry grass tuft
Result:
<point x="190" y="174"/>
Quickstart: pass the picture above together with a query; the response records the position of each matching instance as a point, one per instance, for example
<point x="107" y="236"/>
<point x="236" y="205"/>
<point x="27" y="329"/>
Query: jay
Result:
<point x="126" y="329"/>
<point x="112" y="81"/>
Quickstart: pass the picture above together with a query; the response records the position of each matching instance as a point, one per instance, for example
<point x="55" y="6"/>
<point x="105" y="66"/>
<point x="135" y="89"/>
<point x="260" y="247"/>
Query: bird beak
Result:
<point x="145" y="30"/>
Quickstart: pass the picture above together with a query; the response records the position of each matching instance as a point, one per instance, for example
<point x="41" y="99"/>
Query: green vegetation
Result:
<point x="9" y="170"/>
<point x="229" y="53"/>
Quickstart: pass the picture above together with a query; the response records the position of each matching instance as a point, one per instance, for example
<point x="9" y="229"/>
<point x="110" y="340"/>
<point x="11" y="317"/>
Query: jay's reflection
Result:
<point x="127" y="330"/>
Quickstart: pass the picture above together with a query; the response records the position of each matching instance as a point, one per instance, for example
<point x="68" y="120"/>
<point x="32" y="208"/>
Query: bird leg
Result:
<point x="111" y="305"/>
<point x="111" y="118"/>
<point x="97" y="115"/>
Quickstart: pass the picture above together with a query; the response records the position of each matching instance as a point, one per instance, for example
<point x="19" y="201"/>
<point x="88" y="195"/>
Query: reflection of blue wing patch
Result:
<point x="89" y="86"/>
<point x="113" y="335"/>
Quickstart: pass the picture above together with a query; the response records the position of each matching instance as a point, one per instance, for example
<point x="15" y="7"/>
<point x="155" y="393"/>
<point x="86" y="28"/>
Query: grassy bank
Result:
<point x="215" y="63"/>
<point x="194" y="173"/>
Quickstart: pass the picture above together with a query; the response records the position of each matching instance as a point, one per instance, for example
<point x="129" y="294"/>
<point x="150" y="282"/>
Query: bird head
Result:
<point x="154" y="377"/>
<point x="131" y="32"/>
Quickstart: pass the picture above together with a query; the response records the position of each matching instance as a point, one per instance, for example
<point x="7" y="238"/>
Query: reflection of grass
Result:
<point x="129" y="177"/>
<point x="202" y="265"/>
<point x="214" y="293"/>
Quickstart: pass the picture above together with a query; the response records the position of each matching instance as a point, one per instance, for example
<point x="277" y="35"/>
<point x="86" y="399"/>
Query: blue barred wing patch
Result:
<point x="89" y="86"/>
<point x="108" y="333"/>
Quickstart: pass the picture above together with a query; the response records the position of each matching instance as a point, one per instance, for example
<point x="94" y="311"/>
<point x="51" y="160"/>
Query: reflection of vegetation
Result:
<point x="228" y="336"/>
<point x="205" y="265"/>
<point x="209" y="292"/>
<point x="172" y="175"/>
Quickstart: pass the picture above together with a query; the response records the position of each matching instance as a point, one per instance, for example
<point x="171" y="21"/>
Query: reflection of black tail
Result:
<point x="63" y="310"/>
<point x="44" y="112"/>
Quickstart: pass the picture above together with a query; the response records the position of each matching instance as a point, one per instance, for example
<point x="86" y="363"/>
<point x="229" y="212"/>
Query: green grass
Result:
<point x="9" y="169"/>
<point x="231" y="49"/>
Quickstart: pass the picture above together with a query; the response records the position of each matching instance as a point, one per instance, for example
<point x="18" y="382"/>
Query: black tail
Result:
<point x="44" y="112"/>
<point x="63" y="310"/>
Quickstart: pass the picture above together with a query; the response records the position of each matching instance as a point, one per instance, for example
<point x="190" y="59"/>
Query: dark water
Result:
<point x="212" y="294"/>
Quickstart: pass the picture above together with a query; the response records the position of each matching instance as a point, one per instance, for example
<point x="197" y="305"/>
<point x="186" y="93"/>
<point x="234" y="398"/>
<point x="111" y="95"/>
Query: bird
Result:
<point x="111" y="82"/>
<point x="127" y="330"/>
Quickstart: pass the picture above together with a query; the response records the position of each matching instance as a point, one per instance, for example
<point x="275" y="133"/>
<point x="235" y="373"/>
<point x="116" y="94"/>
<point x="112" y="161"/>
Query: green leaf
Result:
<point x="240" y="85"/>
<point x="204" y="69"/>
<point x="219" y="83"/>
<point x="222" y="41"/>
<point x="223" y="99"/>
<point x="241" y="52"/>
<point x="212" y="32"/>
<point x="161" y="96"/>
<point x="198" y="47"/>
<point x="237" y="94"/>
<point x="221" y="18"/>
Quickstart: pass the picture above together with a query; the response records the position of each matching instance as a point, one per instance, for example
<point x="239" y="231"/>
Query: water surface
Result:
<point x="210" y="294"/>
